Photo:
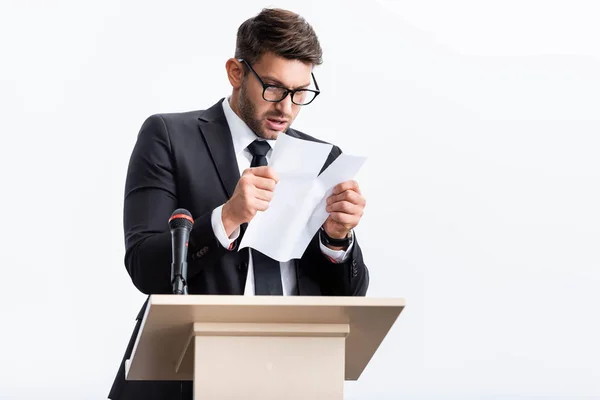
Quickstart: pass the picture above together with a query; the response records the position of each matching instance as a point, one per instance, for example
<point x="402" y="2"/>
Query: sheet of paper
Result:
<point x="295" y="157"/>
<point x="297" y="209"/>
<point x="343" y="168"/>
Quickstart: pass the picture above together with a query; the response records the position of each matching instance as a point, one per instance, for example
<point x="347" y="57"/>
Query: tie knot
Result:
<point x="259" y="148"/>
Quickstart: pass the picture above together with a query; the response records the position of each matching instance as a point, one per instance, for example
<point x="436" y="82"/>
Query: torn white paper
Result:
<point x="297" y="209"/>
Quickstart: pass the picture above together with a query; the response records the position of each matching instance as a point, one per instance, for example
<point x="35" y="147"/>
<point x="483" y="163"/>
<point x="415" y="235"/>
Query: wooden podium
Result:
<point x="260" y="347"/>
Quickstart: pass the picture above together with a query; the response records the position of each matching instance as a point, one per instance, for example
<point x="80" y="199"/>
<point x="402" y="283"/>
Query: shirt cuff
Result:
<point x="216" y="220"/>
<point x="336" y="256"/>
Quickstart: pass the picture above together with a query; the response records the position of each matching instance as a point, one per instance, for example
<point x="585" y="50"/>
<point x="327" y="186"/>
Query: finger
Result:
<point x="265" y="172"/>
<point x="348" y="185"/>
<point x="264" y="183"/>
<point x="259" y="205"/>
<point x="345" y="207"/>
<point x="348" y="195"/>
<point x="348" y="220"/>
<point x="265" y="195"/>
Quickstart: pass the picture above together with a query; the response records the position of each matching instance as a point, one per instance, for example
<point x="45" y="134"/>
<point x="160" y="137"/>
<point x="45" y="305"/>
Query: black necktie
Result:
<point x="267" y="273"/>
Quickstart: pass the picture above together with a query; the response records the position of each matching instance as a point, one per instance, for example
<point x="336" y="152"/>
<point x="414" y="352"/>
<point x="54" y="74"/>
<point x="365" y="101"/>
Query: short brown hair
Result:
<point x="281" y="32"/>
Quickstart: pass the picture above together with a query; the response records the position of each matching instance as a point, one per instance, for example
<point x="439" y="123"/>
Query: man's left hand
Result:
<point x="345" y="205"/>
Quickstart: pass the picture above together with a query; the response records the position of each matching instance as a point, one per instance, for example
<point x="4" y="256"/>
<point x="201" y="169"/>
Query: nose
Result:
<point x="285" y="105"/>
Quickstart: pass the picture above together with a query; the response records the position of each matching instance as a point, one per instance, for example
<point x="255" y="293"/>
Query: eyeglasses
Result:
<point x="275" y="94"/>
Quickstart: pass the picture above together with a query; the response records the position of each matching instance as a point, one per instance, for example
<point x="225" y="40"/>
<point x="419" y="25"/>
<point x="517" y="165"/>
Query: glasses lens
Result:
<point x="304" y="96"/>
<point x="273" y="93"/>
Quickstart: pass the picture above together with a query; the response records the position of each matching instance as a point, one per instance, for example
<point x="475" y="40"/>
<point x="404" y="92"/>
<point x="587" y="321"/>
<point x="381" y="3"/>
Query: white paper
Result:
<point x="297" y="209"/>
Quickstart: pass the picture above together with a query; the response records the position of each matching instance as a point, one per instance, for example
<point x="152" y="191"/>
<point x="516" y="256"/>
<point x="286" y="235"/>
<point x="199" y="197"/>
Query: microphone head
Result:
<point x="181" y="218"/>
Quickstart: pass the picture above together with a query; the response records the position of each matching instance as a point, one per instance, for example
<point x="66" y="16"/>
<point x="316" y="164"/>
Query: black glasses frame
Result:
<point x="286" y="91"/>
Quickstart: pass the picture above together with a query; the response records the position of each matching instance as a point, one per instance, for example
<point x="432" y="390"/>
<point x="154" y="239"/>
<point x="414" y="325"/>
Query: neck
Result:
<point x="234" y="102"/>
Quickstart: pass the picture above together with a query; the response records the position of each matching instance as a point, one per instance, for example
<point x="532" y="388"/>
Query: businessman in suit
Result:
<point x="215" y="163"/>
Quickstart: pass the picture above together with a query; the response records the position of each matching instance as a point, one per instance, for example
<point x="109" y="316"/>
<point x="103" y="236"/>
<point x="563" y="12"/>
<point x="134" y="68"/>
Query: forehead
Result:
<point x="290" y="73"/>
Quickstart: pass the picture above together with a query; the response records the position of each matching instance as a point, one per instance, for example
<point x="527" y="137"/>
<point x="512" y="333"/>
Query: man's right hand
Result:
<point x="253" y="193"/>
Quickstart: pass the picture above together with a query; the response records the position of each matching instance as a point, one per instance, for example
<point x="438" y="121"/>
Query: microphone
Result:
<point x="180" y="223"/>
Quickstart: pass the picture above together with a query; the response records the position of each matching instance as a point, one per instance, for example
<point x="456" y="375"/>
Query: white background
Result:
<point x="481" y="121"/>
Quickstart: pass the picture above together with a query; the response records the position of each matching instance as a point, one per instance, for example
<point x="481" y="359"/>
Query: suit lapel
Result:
<point x="217" y="136"/>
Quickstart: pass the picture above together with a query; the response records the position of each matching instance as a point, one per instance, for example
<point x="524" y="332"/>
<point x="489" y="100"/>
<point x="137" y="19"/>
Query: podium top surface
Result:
<point x="301" y="301"/>
<point x="168" y="320"/>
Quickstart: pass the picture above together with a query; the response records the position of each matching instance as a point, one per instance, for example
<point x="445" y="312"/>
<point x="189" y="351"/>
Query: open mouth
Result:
<point x="276" y="124"/>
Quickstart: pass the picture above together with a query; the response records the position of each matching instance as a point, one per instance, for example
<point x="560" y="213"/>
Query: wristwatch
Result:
<point x="328" y="240"/>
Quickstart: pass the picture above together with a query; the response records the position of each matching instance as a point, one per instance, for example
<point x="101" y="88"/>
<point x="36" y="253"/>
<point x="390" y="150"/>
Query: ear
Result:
<point x="235" y="72"/>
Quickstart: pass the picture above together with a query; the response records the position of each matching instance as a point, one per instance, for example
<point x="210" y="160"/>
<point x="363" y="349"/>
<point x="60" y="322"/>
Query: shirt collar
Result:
<point x="241" y="134"/>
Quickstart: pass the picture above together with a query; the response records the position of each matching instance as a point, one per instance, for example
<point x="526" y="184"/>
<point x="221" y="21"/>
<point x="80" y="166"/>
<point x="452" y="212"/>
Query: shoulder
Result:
<point x="175" y="118"/>
<point x="183" y="121"/>
<point x="170" y="125"/>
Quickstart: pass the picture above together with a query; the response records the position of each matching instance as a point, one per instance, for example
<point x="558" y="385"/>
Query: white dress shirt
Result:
<point x="242" y="136"/>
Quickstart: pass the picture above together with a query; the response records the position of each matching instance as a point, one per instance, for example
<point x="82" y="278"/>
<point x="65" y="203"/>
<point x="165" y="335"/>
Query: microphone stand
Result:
<point x="179" y="285"/>
<point x="179" y="281"/>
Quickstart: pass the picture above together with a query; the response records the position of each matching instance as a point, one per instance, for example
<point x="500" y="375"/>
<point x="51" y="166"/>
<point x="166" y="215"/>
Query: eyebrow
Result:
<point x="279" y="83"/>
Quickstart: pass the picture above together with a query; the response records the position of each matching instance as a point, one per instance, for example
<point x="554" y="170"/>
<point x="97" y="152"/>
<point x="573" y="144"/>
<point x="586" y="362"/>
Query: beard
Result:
<point x="249" y="115"/>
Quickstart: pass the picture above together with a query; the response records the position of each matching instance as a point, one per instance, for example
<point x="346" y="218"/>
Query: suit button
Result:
<point x="202" y="251"/>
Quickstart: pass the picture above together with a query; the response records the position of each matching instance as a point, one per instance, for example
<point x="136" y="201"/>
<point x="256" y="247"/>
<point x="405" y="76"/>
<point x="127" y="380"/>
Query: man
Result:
<point x="214" y="163"/>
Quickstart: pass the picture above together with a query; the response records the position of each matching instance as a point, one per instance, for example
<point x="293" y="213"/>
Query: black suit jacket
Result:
<point x="187" y="160"/>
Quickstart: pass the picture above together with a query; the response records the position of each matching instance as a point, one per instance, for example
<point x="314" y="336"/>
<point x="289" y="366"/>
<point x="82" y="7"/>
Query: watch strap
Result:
<point x="328" y="240"/>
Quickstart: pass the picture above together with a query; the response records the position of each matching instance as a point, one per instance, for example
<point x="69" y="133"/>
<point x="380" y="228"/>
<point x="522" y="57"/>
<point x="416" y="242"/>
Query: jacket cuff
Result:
<point x="337" y="256"/>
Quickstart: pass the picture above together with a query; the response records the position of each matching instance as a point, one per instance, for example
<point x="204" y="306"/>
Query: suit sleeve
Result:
<point x="349" y="278"/>
<point x="150" y="198"/>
